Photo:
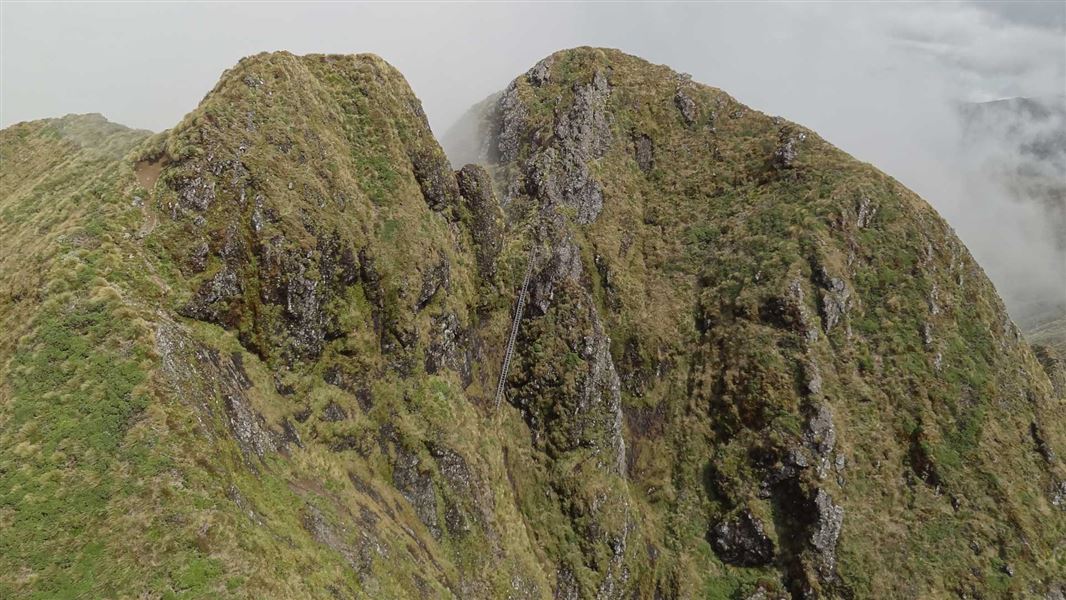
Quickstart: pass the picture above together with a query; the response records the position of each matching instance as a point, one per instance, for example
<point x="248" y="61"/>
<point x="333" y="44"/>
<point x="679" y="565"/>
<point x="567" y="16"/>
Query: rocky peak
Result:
<point x="760" y="253"/>
<point x="279" y="282"/>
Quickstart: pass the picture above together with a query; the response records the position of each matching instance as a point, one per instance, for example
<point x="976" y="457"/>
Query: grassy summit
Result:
<point x="255" y="355"/>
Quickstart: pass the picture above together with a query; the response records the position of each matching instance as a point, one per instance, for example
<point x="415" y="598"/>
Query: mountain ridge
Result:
<point x="268" y="368"/>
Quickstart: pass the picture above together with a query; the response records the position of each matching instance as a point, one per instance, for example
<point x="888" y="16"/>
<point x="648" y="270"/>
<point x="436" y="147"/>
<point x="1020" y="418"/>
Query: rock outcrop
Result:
<point x="484" y="217"/>
<point x="742" y="541"/>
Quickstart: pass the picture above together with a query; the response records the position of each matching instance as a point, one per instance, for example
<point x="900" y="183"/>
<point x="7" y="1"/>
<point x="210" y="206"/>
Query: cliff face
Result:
<point x="808" y="355"/>
<point x="257" y="355"/>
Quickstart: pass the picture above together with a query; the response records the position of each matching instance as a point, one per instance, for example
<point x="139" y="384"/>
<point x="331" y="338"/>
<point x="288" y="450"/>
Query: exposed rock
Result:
<point x="921" y="463"/>
<point x="200" y="375"/>
<point x="934" y="300"/>
<point x="290" y="435"/>
<point x="448" y="348"/>
<point x="510" y="121"/>
<point x="198" y="257"/>
<point x="334" y="412"/>
<point x="250" y="428"/>
<point x="812" y="379"/>
<point x="563" y="265"/>
<point x="566" y="585"/>
<point x="766" y="591"/>
<point x="396" y="337"/>
<point x="540" y="72"/>
<point x="234" y="494"/>
<point x="260" y="216"/>
<point x="434" y="279"/>
<point x="434" y="176"/>
<point x="486" y="217"/>
<point x="634" y="373"/>
<point x="698" y="274"/>
<point x="351" y="381"/>
<point x="466" y="502"/>
<point x="372" y="283"/>
<point x="684" y="103"/>
<point x="454" y="468"/>
<point x="304" y="312"/>
<point x="584" y="419"/>
<point x="598" y="404"/>
<point x="610" y="291"/>
<point x="1058" y="494"/>
<point x="196" y="193"/>
<point x="416" y="484"/>
<point x="586" y="127"/>
<point x="210" y="302"/>
<point x="927" y="334"/>
<point x="455" y="520"/>
<point x="761" y="593"/>
<point x="785" y="155"/>
<point x="820" y="437"/>
<point x="839" y="465"/>
<point x="560" y="175"/>
<point x="596" y="416"/>
<point x="829" y="520"/>
<point x="336" y="537"/>
<point x="742" y="541"/>
<point x="865" y="211"/>
<point x="299" y="281"/>
<point x="836" y="299"/>
<point x="602" y="387"/>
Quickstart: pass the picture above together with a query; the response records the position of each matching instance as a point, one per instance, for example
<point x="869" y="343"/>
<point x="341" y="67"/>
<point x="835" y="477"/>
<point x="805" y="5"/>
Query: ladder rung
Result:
<point x="520" y="305"/>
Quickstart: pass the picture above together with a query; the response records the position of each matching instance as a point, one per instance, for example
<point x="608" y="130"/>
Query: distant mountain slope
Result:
<point x="1023" y="142"/>
<point x="1045" y="324"/>
<point x="1017" y="147"/>
<point x="468" y="139"/>
<point x="257" y="355"/>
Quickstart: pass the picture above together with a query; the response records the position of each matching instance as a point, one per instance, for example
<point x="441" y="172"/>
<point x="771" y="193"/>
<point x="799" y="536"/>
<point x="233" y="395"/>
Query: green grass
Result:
<point x="121" y="476"/>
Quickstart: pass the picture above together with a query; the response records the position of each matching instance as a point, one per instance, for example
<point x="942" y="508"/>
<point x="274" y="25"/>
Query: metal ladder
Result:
<point x="520" y="307"/>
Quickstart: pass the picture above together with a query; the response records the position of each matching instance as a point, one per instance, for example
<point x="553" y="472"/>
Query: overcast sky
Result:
<point x="147" y="64"/>
<point x="878" y="80"/>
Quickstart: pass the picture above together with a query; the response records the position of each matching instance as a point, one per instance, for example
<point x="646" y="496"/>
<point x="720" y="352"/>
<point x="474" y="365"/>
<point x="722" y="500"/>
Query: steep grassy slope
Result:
<point x="816" y="377"/>
<point x="256" y="355"/>
<point x="234" y="364"/>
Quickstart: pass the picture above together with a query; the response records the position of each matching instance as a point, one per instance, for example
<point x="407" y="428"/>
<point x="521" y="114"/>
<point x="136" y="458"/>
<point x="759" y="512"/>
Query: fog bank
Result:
<point x="882" y="81"/>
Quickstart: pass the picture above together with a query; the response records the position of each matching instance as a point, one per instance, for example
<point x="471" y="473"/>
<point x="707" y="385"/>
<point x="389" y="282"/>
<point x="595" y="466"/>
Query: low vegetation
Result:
<point x="256" y="355"/>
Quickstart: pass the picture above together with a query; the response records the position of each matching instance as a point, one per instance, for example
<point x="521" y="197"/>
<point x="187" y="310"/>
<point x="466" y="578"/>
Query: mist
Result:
<point x="1012" y="157"/>
<point x="884" y="82"/>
